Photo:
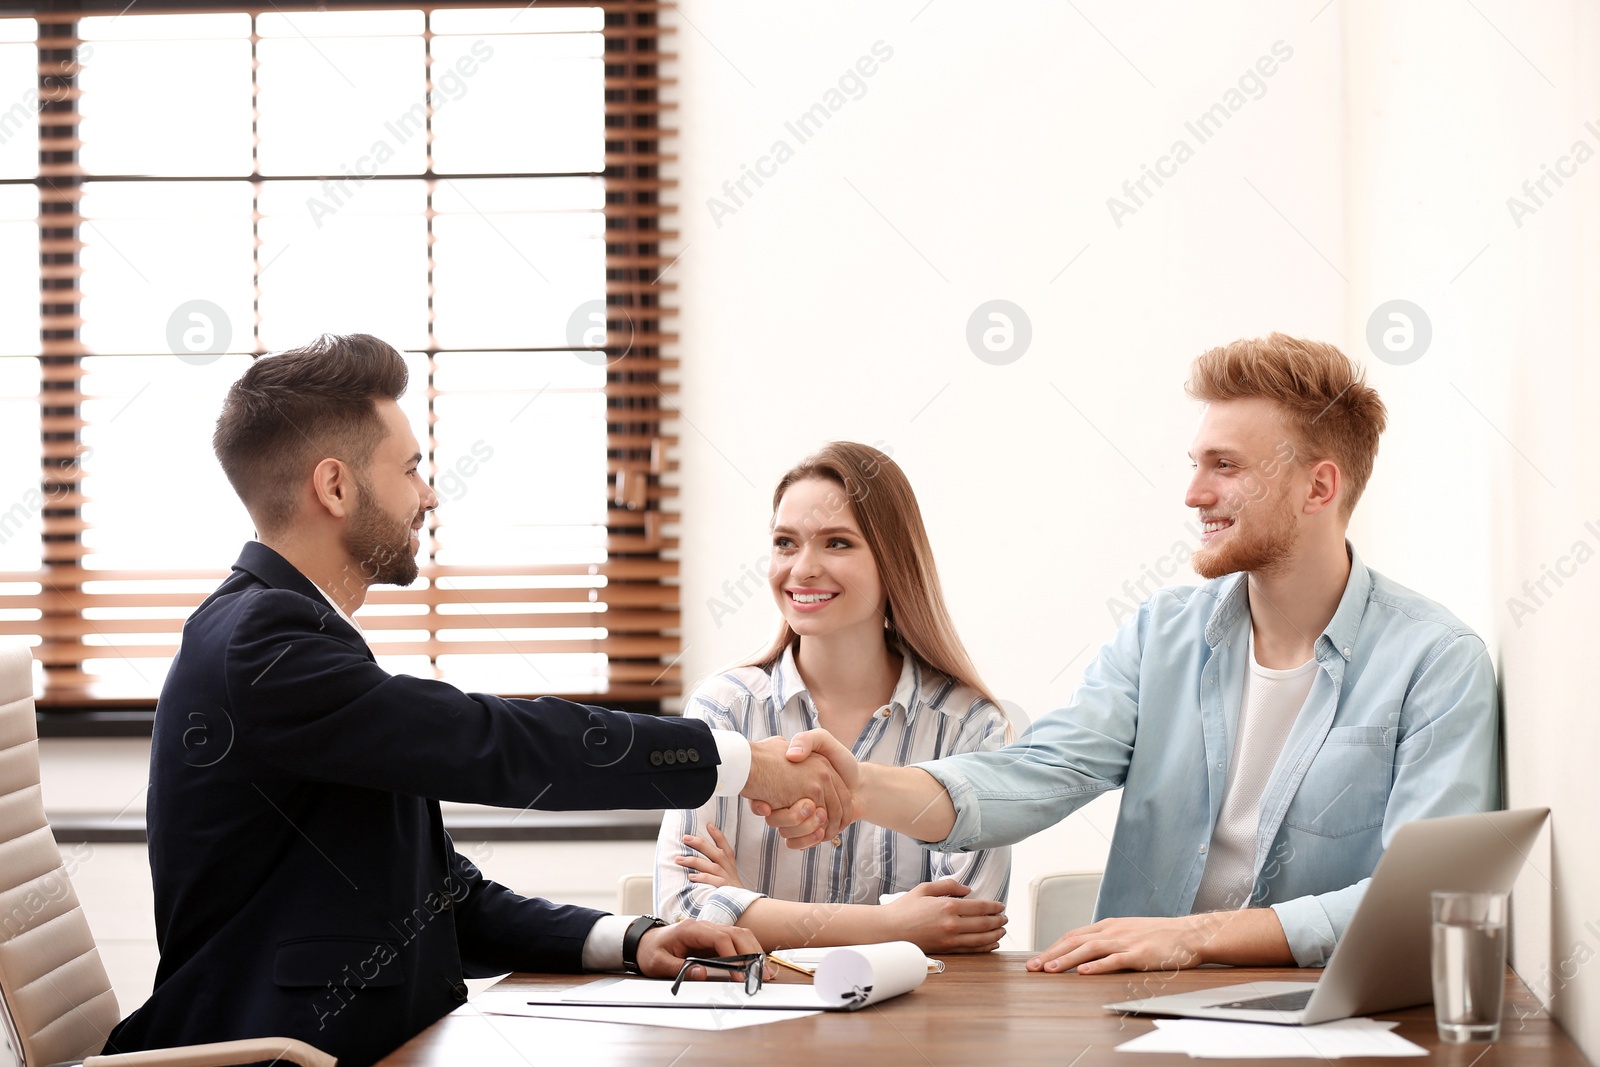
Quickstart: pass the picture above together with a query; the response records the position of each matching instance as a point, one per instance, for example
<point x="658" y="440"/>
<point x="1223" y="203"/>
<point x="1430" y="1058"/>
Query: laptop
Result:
<point x="1383" y="960"/>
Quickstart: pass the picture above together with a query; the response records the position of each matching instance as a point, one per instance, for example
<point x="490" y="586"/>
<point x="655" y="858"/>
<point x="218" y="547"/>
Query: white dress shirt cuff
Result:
<point x="733" y="749"/>
<point x="602" y="949"/>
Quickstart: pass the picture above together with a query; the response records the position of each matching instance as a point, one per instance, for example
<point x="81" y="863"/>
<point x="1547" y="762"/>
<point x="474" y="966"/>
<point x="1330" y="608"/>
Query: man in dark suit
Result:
<point x="304" y="883"/>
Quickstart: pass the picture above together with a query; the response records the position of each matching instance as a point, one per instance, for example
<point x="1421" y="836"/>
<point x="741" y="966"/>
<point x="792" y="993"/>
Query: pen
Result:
<point x="781" y="962"/>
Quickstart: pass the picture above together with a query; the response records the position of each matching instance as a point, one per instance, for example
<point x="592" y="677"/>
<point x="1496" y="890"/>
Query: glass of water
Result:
<point x="1469" y="965"/>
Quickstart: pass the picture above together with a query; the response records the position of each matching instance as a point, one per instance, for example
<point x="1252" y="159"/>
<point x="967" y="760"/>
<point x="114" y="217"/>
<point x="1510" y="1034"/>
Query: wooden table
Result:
<point x="982" y="1010"/>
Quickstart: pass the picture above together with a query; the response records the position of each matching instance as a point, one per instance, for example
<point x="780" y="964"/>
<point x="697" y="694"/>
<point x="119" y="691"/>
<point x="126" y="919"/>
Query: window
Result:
<point x="183" y="191"/>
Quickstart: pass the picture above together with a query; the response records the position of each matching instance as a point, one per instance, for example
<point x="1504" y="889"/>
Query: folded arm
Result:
<point x="697" y="875"/>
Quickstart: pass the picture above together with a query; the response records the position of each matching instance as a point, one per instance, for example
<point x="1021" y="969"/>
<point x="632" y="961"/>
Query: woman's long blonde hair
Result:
<point x="916" y="617"/>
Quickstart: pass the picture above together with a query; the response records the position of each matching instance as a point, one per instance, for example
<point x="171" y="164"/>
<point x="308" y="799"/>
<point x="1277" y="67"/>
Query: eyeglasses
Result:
<point x="751" y="963"/>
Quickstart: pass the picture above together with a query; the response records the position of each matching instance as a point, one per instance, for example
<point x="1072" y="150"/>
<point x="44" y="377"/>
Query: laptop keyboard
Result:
<point x="1275" y="1002"/>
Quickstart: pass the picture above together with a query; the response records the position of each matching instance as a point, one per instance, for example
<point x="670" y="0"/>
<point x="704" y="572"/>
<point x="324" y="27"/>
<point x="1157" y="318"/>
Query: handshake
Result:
<point x="807" y="789"/>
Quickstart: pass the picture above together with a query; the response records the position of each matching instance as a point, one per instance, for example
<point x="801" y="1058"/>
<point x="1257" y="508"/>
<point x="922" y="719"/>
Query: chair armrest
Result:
<point x="220" y="1054"/>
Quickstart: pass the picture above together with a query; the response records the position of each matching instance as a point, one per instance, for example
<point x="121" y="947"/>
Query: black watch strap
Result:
<point x="631" y="939"/>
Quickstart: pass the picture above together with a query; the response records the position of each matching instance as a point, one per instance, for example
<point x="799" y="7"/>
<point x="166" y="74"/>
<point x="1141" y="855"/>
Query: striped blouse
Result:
<point x="928" y="717"/>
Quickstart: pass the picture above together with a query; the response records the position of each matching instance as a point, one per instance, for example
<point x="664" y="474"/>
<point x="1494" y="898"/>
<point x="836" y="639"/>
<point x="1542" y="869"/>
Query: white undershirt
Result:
<point x="1268" y="707"/>
<point x="334" y="604"/>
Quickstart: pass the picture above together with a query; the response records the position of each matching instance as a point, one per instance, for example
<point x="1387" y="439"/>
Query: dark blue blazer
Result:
<point x="304" y="883"/>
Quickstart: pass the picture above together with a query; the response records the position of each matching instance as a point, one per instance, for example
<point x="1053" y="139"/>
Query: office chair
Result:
<point x="636" y="894"/>
<point x="1062" y="901"/>
<point x="56" y="1003"/>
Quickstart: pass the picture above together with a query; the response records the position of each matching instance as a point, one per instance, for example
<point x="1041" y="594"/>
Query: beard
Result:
<point x="380" y="543"/>
<point x="1261" y="540"/>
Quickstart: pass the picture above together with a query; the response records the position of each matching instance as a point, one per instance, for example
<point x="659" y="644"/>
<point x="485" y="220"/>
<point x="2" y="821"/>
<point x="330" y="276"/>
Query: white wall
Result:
<point x="978" y="164"/>
<point x="1484" y="483"/>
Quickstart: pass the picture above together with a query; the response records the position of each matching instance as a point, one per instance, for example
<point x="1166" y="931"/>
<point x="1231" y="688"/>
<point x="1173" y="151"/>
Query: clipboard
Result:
<point x="846" y="979"/>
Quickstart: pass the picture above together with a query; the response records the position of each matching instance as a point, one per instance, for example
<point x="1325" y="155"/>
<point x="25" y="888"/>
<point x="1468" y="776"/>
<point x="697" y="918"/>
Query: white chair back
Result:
<point x="636" y="894"/>
<point x="1062" y="901"/>
<point x="56" y="1002"/>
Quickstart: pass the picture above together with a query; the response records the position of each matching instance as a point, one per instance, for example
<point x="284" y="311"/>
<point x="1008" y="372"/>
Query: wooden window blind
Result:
<point x="310" y="167"/>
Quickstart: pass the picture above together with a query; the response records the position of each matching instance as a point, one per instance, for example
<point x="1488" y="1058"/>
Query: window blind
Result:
<point x="359" y="167"/>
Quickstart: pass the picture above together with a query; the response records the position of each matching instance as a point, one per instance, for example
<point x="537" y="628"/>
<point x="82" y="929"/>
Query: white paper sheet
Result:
<point x="848" y="978"/>
<point x="1216" y="1039"/>
<point x="516" y="1003"/>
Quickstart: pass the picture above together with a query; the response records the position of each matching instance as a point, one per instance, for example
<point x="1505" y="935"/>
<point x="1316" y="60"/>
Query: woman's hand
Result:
<point x="937" y="918"/>
<point x="714" y="865"/>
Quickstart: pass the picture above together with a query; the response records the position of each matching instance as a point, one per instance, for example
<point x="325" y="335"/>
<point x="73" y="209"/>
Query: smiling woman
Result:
<point x="867" y="651"/>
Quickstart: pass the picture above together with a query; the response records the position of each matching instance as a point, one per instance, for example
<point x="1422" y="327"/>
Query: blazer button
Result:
<point x="694" y="755"/>
<point x="683" y="755"/>
<point x="669" y="757"/>
<point x="655" y="759"/>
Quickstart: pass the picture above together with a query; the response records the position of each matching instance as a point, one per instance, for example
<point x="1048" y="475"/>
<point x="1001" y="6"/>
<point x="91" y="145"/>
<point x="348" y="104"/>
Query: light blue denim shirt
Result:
<point x="1401" y="723"/>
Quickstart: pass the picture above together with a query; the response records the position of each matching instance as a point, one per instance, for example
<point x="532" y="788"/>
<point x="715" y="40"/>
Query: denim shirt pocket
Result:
<point x="1346" y="788"/>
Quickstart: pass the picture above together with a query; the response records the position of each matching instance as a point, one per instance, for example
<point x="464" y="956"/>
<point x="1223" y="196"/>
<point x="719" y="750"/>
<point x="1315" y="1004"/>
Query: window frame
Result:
<point x="641" y="568"/>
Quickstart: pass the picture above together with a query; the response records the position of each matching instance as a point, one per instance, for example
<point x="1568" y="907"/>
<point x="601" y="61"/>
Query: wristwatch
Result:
<point x="631" y="939"/>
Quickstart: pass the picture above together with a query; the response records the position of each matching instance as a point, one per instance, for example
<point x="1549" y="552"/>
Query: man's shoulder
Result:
<point x="1175" y="602"/>
<point x="1394" y="606"/>
<point x="251" y="603"/>
<point x="227" y="641"/>
<point x="241" y="627"/>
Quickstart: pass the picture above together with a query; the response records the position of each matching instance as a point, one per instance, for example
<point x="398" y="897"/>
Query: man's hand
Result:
<point x="809" y="819"/>
<point x="936" y="918"/>
<point x="811" y="780"/>
<point x="715" y="865"/>
<point x="663" y="949"/>
<point x="907" y="800"/>
<point x="1129" y="944"/>
<point x="1250" y="937"/>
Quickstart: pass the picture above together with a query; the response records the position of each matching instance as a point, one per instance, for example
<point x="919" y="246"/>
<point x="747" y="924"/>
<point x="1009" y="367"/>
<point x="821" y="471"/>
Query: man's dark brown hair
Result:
<point x="290" y="411"/>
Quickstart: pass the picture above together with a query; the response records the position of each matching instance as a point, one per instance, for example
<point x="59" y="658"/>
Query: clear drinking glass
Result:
<point x="1469" y="965"/>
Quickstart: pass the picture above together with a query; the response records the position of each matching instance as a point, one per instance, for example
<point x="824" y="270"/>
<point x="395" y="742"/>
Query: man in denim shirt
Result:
<point x="1364" y="705"/>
